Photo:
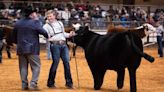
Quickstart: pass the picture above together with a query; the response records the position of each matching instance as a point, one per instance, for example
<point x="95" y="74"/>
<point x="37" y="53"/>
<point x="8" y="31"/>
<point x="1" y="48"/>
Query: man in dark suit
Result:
<point x="26" y="35"/>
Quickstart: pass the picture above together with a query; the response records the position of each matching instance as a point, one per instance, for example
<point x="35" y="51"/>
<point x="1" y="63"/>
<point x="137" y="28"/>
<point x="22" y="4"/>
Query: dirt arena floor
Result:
<point x="150" y="76"/>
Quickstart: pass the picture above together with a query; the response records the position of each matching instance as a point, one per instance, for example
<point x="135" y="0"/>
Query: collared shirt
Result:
<point x="56" y="31"/>
<point x="160" y="29"/>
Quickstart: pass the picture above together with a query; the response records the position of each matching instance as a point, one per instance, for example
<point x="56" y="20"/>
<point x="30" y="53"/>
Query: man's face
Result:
<point x="51" y="17"/>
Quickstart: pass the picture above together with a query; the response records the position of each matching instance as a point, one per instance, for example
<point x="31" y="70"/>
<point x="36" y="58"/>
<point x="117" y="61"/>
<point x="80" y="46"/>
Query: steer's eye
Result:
<point x="145" y="27"/>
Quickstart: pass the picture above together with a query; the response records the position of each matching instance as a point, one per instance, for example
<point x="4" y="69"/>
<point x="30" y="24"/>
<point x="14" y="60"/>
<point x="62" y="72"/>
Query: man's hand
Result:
<point x="4" y="41"/>
<point x="72" y="33"/>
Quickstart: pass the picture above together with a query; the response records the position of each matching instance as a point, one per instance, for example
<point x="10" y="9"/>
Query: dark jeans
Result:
<point x="1" y="48"/>
<point x="57" y="52"/>
<point x="8" y="51"/>
<point x="160" y="47"/>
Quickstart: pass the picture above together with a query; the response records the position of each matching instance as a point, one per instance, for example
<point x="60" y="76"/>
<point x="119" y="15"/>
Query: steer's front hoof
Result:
<point x="96" y="87"/>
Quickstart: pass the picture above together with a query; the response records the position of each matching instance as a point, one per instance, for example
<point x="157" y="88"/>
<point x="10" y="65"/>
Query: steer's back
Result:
<point x="113" y="51"/>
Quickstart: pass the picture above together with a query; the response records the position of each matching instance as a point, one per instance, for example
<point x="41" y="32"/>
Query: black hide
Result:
<point x="114" y="51"/>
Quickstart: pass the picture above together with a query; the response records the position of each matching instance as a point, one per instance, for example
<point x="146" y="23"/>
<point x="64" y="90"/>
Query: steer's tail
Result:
<point x="137" y="50"/>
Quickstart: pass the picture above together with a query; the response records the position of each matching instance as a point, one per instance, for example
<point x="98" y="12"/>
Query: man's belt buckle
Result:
<point x="58" y="42"/>
<point x="61" y="42"/>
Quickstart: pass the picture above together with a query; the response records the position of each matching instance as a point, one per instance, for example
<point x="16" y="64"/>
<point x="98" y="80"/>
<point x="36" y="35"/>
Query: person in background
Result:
<point x="9" y="44"/>
<point x="26" y="35"/>
<point x="160" y="31"/>
<point x="66" y="15"/>
<point x="58" y="48"/>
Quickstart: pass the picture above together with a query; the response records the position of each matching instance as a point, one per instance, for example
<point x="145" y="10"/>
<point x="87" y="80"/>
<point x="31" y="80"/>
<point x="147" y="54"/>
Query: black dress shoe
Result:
<point x="25" y="88"/>
<point x="69" y="86"/>
<point x="51" y="86"/>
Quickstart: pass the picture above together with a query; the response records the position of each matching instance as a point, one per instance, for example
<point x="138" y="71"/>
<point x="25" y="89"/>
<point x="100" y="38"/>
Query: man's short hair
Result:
<point x="51" y="12"/>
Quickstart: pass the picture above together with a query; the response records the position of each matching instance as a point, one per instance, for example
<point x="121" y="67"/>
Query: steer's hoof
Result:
<point x="96" y="88"/>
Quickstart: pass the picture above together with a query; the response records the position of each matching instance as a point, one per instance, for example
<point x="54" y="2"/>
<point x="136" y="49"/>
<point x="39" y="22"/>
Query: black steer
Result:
<point x="114" y="51"/>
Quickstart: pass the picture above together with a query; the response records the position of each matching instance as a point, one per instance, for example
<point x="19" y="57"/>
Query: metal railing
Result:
<point x="94" y="25"/>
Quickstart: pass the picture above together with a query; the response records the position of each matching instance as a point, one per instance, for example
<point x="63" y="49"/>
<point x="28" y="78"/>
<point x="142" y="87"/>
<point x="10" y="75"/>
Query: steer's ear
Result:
<point x="86" y="28"/>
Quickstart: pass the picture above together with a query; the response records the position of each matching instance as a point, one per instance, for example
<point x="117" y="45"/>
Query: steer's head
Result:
<point x="80" y="30"/>
<point x="81" y="34"/>
<point x="148" y="28"/>
<point x="144" y="30"/>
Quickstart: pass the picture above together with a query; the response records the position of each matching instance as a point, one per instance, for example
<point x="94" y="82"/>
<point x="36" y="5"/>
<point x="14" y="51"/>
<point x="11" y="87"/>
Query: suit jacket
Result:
<point x="26" y="35"/>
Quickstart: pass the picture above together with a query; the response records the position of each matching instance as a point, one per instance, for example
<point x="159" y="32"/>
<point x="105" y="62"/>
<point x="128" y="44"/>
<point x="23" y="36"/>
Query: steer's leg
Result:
<point x="132" y="73"/>
<point x="120" y="78"/>
<point x="98" y="78"/>
<point x="74" y="50"/>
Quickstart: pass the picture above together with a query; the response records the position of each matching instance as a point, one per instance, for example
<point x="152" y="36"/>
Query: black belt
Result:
<point x="58" y="42"/>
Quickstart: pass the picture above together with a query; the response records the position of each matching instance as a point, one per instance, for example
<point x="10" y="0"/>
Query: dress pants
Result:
<point x="34" y="62"/>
